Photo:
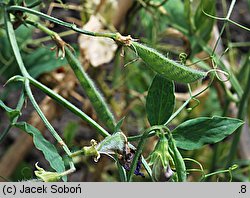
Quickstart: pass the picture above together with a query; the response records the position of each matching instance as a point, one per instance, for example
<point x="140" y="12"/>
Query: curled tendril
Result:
<point x="216" y="71"/>
<point x="183" y="58"/>
<point x="201" y="170"/>
<point x="196" y="105"/>
<point x="229" y="171"/>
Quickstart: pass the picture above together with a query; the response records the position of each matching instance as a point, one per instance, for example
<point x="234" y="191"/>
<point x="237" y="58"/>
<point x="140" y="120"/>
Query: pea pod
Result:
<point x="166" y="67"/>
<point x="100" y="106"/>
<point x="178" y="161"/>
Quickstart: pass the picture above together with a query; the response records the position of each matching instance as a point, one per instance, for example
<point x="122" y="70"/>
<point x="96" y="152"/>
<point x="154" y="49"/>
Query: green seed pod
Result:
<point x="92" y="92"/>
<point x="165" y="66"/>
<point x="178" y="161"/>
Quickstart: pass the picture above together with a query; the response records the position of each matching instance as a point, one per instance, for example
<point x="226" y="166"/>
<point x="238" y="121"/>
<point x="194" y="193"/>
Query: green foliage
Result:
<point x="49" y="150"/>
<point x="118" y="125"/>
<point x="203" y="24"/>
<point x="176" y="14"/>
<point x="12" y="113"/>
<point x="37" y="61"/>
<point x="160" y="101"/>
<point x="115" y="142"/>
<point x="194" y="28"/>
<point x="195" y="133"/>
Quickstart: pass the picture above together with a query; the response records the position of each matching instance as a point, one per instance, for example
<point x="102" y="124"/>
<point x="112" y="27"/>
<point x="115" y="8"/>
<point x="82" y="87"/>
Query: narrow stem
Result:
<point x="233" y="80"/>
<point x="77" y="153"/>
<point x="121" y="170"/>
<point x="239" y="25"/>
<point x="147" y="168"/>
<point x="224" y="25"/>
<point x="59" y="98"/>
<point x="178" y="111"/>
<point x="241" y="115"/>
<point x="218" y="172"/>
<point x="44" y="119"/>
<point x="69" y="106"/>
<point x="71" y="170"/>
<point x="19" y="107"/>
<point x="11" y="35"/>
<point x="138" y="137"/>
<point x="47" y="38"/>
<point x="63" y="23"/>
<point x="139" y="151"/>
<point x="41" y="27"/>
<point x="150" y="134"/>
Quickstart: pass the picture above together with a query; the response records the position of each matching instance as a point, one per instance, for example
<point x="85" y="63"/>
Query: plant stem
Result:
<point x="19" y="107"/>
<point x="233" y="80"/>
<point x="69" y="106"/>
<point x="11" y="35"/>
<point x="139" y="150"/>
<point x="224" y="25"/>
<point x="44" y="119"/>
<point x="71" y="170"/>
<point x="13" y="42"/>
<point x="178" y="111"/>
<point x="241" y="115"/>
<point x="63" y="23"/>
<point x="86" y="82"/>
<point x="95" y="97"/>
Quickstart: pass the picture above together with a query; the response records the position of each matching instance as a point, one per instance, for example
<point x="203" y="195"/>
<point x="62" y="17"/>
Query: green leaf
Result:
<point x="118" y="125"/>
<point x="176" y="14"/>
<point x="203" y="23"/>
<point x="160" y="100"/>
<point x="49" y="150"/>
<point x="195" y="133"/>
<point x="115" y="142"/>
<point x="12" y="113"/>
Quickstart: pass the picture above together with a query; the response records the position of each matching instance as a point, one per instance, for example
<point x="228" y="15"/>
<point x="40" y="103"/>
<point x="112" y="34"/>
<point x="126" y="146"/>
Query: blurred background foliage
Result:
<point x="172" y="27"/>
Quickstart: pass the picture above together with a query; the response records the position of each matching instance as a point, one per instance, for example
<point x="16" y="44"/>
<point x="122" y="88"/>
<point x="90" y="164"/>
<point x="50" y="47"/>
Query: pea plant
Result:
<point x="166" y="159"/>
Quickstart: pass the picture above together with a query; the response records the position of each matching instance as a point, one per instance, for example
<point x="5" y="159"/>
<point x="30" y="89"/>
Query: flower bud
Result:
<point x="91" y="150"/>
<point x="159" y="160"/>
<point x="47" y="176"/>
